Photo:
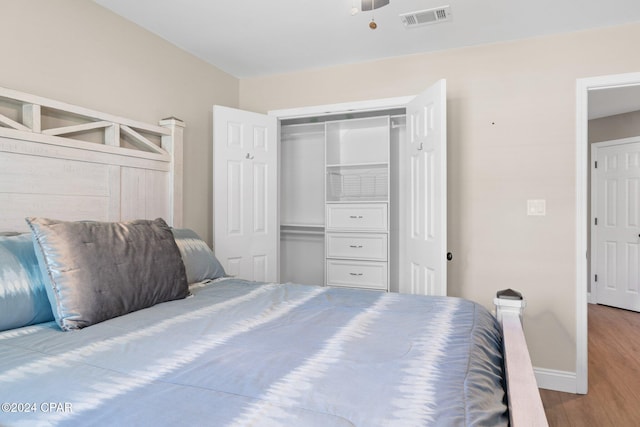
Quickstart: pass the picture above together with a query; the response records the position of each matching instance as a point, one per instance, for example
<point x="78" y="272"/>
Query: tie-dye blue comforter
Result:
<point x="240" y="353"/>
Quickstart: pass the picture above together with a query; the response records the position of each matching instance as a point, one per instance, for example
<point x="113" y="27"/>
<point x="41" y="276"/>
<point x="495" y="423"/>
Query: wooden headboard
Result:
<point x="66" y="162"/>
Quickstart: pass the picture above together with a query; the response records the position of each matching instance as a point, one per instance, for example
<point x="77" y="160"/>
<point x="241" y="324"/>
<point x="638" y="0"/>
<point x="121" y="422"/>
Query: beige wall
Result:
<point x="614" y="127"/>
<point x="78" y="52"/>
<point x="511" y="128"/>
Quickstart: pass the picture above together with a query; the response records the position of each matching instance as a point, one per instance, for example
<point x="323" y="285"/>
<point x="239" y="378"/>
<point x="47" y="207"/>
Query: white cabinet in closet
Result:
<point x="357" y="202"/>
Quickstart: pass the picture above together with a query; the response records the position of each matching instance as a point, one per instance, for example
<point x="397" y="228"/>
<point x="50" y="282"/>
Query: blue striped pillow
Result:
<point x="23" y="297"/>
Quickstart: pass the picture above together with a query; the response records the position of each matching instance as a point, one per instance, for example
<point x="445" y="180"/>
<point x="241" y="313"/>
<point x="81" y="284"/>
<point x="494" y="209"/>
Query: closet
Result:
<point x="336" y="176"/>
<point x="347" y="195"/>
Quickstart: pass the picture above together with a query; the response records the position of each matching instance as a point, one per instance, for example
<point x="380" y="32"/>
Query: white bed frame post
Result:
<point x="173" y="144"/>
<point x="505" y="306"/>
<point x="525" y="404"/>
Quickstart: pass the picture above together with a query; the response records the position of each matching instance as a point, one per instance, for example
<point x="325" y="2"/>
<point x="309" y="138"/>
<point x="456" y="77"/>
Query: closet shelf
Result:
<point x="348" y="165"/>
<point x="302" y="129"/>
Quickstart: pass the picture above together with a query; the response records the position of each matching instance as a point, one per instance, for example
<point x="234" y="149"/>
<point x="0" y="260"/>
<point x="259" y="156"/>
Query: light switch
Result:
<point x="537" y="207"/>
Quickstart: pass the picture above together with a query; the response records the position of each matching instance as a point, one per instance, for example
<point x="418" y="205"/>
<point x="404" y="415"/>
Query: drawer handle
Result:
<point x="356" y="274"/>
<point x="355" y="246"/>
<point x="355" y="216"/>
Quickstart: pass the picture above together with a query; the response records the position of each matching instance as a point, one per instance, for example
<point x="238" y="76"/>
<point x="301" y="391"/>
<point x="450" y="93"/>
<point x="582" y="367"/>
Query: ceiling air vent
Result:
<point x="426" y="17"/>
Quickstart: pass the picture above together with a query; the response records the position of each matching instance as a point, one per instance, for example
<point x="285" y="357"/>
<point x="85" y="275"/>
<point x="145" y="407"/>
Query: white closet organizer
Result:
<point x="357" y="202"/>
<point x="336" y="178"/>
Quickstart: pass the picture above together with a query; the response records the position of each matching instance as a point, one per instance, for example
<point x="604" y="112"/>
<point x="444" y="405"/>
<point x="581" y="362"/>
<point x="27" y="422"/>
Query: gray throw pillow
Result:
<point x="94" y="271"/>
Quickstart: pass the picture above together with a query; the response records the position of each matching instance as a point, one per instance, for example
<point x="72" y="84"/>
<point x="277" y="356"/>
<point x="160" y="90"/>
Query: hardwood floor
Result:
<point x="613" y="398"/>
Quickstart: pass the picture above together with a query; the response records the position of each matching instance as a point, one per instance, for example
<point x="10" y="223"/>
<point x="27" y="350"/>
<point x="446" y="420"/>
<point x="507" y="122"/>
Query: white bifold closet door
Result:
<point x="246" y="229"/>
<point x="423" y="195"/>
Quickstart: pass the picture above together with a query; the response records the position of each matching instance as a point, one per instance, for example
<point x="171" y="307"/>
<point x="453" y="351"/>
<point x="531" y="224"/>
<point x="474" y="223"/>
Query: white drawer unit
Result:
<point x="367" y="246"/>
<point x="357" y="214"/>
<point x="357" y="217"/>
<point x="357" y="274"/>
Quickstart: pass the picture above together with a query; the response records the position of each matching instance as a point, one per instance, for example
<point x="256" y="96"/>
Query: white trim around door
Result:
<point x="583" y="86"/>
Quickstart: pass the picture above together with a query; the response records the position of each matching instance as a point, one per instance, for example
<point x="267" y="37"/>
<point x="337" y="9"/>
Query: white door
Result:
<point x="246" y="231"/>
<point x="615" y="257"/>
<point x="423" y="195"/>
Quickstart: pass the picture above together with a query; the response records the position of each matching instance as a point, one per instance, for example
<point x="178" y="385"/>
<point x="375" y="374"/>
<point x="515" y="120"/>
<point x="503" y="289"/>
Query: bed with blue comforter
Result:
<point x="239" y="353"/>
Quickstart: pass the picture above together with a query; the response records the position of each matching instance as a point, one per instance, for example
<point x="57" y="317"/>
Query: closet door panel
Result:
<point x="246" y="231"/>
<point x="260" y="197"/>
<point x="235" y="196"/>
<point x="423" y="189"/>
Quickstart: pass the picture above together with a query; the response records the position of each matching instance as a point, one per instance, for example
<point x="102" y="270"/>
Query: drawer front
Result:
<point x="357" y="217"/>
<point x="357" y="274"/>
<point x="357" y="246"/>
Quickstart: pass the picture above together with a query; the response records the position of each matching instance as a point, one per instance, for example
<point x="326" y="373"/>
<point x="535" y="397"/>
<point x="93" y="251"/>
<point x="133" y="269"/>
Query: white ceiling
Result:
<point x="251" y="38"/>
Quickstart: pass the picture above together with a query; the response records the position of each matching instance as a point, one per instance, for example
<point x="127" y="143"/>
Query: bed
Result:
<point x="181" y="343"/>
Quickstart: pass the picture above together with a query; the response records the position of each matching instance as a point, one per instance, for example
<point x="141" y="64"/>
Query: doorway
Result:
<point x="585" y="89"/>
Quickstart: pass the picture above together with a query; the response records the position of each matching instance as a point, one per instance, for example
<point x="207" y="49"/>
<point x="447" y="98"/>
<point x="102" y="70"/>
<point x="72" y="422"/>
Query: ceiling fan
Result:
<point x="366" y="5"/>
<point x="372" y="4"/>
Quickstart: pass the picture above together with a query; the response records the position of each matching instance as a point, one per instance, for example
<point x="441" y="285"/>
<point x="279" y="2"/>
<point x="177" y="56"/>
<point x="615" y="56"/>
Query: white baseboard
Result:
<point x="591" y="298"/>
<point x="551" y="379"/>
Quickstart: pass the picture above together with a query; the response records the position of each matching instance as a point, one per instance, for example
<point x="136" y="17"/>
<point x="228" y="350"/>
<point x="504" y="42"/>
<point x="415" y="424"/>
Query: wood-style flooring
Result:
<point x="613" y="398"/>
